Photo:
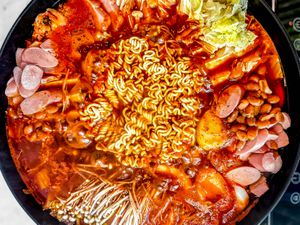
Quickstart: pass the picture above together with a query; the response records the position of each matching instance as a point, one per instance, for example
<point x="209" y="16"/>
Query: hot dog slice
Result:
<point x="228" y="100"/>
<point x="31" y="77"/>
<point x="244" y="175"/>
<point x="282" y="140"/>
<point x="35" y="103"/>
<point x="19" y="53"/>
<point x="254" y="145"/>
<point x="268" y="162"/>
<point x="256" y="161"/>
<point x="40" y="57"/>
<point x="39" y="101"/>
<point x="17" y="72"/>
<point x="11" y="88"/>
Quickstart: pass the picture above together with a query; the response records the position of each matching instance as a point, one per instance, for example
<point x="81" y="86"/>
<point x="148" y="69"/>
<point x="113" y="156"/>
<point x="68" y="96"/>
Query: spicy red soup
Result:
<point x="126" y="113"/>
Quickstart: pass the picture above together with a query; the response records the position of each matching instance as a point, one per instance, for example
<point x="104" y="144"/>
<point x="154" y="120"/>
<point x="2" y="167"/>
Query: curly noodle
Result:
<point x="148" y="104"/>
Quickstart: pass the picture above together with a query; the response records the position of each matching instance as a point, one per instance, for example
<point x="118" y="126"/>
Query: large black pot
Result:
<point x="290" y="155"/>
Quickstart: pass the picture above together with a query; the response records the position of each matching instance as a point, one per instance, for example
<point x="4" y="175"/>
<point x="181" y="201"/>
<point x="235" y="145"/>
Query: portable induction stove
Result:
<point x="287" y="212"/>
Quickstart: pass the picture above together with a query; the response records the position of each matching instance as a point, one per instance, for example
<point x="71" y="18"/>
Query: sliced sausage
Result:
<point x="40" y="57"/>
<point x="286" y="123"/>
<point x="26" y="93"/>
<point x="39" y="101"/>
<point x="31" y="77"/>
<point x="256" y="161"/>
<point x="268" y="162"/>
<point x="244" y="175"/>
<point x="19" y="53"/>
<point x="282" y="140"/>
<point x="17" y="72"/>
<point x="254" y="145"/>
<point x="260" y="187"/>
<point x="228" y="100"/>
<point x="35" y="103"/>
<point x="11" y="88"/>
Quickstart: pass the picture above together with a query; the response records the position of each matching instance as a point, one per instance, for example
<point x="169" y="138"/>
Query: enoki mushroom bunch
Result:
<point x="97" y="202"/>
<point x="149" y="103"/>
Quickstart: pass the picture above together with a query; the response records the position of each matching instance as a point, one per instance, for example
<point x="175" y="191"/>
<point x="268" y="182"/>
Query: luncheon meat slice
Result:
<point x="260" y="187"/>
<point x="11" y="88"/>
<point x="19" y="53"/>
<point x="254" y="145"/>
<point x="31" y="77"/>
<point x="39" y="101"/>
<point x="228" y="100"/>
<point x="244" y="175"/>
<point x="39" y="57"/>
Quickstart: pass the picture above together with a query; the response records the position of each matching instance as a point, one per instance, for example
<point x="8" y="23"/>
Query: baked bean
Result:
<point x="263" y="95"/>
<point x="233" y="116"/>
<point x="255" y="101"/>
<point x="243" y="104"/>
<point x="52" y="109"/>
<point x="265" y="108"/>
<point x="252" y="86"/>
<point x="239" y="126"/>
<point x="262" y="124"/>
<point x="275" y="110"/>
<point x="273" y="99"/>
<point x="250" y="111"/>
<point x="256" y="110"/>
<point x="28" y="129"/>
<point x="251" y="121"/>
<point x="241" y="135"/>
<point x="265" y="117"/>
<point x="273" y="121"/>
<point x="241" y="119"/>
<point x="279" y="117"/>
<point x="40" y="115"/>
<point x="252" y="133"/>
<point x="263" y="85"/>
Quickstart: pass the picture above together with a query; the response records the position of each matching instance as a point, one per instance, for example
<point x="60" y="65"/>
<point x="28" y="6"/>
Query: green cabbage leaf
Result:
<point x="223" y="21"/>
